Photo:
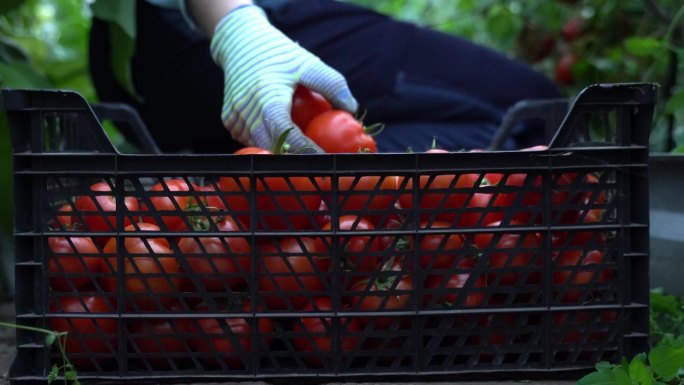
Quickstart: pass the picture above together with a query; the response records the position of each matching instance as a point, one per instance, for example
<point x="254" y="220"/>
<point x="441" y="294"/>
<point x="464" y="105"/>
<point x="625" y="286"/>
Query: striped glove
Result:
<point x="262" y="67"/>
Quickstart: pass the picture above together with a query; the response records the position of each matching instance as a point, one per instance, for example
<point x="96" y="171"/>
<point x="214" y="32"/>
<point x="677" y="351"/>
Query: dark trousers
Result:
<point x="421" y="83"/>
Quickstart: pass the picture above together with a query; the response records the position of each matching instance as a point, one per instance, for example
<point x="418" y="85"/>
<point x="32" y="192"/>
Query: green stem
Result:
<point x="32" y="329"/>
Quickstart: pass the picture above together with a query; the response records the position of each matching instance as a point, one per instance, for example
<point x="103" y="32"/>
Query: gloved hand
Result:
<point x="262" y="67"/>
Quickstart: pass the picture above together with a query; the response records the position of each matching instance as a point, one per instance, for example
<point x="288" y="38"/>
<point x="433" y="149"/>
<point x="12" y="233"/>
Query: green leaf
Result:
<point x="70" y="375"/>
<point x="621" y="376"/>
<point x="18" y="74"/>
<point x="120" y="12"/>
<point x="123" y="47"/>
<point x="598" y="378"/>
<point x="666" y="361"/>
<point x="50" y="339"/>
<point x="643" y="46"/>
<point x="676" y="103"/>
<point x="639" y="372"/>
<point x="678" y="150"/>
<point x="54" y="372"/>
<point x="8" y="5"/>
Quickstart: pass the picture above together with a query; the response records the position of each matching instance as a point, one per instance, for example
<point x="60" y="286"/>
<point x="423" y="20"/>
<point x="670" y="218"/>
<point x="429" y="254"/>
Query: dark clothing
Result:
<point x="421" y="83"/>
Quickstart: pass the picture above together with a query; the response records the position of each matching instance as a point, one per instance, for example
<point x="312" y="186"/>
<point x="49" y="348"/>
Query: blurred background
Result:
<point x="43" y="44"/>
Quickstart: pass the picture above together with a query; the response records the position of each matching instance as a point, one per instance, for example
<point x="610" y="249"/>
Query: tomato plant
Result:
<point x="150" y="277"/>
<point x="291" y="271"/>
<point x="92" y="339"/>
<point x="306" y="105"/>
<point x="338" y="131"/>
<point x="221" y="263"/>
<point x="73" y="262"/>
<point x="314" y="334"/>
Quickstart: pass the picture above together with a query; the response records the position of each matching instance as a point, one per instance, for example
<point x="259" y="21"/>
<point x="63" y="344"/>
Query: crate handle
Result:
<point x="45" y="121"/>
<point x="632" y="104"/>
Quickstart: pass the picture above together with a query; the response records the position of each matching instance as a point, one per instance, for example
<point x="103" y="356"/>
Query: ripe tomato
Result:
<point x="338" y="131"/>
<point x="149" y="276"/>
<point x="265" y="325"/>
<point x="306" y="105"/>
<point x="159" y="338"/>
<point x="512" y="251"/>
<point x="64" y="219"/>
<point x="437" y="193"/>
<point x="282" y="203"/>
<point x="166" y="208"/>
<point x="445" y="290"/>
<point x="483" y="210"/>
<point x="371" y="195"/>
<point x="73" y="262"/>
<point x="576" y="269"/>
<point x="576" y="326"/>
<point x="564" y="68"/>
<point x="91" y="340"/>
<point x="220" y="263"/>
<point x="314" y="334"/>
<point x="291" y="271"/>
<point x="99" y="214"/>
<point x="439" y="251"/>
<point x="227" y="340"/>
<point x="390" y="290"/>
<point x="356" y="252"/>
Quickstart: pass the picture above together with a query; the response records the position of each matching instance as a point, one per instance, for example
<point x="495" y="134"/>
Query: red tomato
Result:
<point x="211" y="200"/>
<point x="99" y="214"/>
<point x="356" y="252"/>
<point x="512" y="251"/>
<point x="73" y="262"/>
<point x="282" y="203"/>
<point x="291" y="271"/>
<point x="437" y="193"/>
<point x="149" y="276"/>
<point x="391" y="290"/>
<point x="445" y="290"/>
<point x="439" y="251"/>
<point x="220" y="263"/>
<point x="91" y="340"/>
<point x="227" y="339"/>
<point x="314" y="334"/>
<point x="167" y="207"/>
<point x="575" y="325"/>
<point x="575" y="268"/>
<point x="64" y="219"/>
<point x="564" y="68"/>
<point x="265" y="324"/>
<point x="306" y="105"/>
<point x="371" y="195"/>
<point x="160" y="338"/>
<point x="338" y="131"/>
<point x="483" y="210"/>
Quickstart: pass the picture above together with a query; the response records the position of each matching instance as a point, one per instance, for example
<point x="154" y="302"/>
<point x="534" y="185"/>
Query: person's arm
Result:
<point x="262" y="67"/>
<point x="208" y="13"/>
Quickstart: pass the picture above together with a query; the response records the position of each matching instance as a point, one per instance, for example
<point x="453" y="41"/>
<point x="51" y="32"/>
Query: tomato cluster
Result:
<point x="373" y="247"/>
<point x="334" y="130"/>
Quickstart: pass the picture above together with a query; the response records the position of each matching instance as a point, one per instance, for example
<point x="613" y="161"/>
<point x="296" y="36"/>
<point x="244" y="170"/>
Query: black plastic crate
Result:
<point x="229" y="269"/>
